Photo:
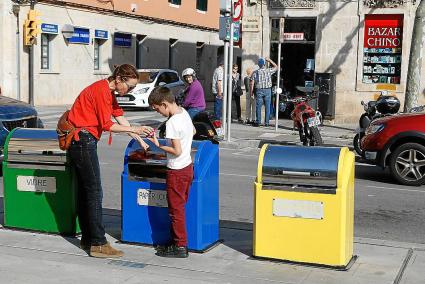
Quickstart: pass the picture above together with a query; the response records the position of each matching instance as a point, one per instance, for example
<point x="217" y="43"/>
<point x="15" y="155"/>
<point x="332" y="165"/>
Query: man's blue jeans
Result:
<point x="263" y="96"/>
<point x="218" y="108"/>
<point x="84" y="157"/>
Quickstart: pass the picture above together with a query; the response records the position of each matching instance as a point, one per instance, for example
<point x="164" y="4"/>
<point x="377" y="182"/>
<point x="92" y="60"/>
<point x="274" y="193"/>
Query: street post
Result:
<point x="279" y="51"/>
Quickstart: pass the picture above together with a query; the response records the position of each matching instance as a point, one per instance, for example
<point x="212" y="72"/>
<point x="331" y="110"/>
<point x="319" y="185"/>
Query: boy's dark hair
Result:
<point x="161" y="94"/>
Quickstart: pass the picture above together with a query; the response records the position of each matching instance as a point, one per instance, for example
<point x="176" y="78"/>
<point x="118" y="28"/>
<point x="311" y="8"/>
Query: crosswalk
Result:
<point x="51" y="115"/>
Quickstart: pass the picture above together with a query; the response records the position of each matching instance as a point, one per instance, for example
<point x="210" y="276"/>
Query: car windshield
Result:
<point x="147" y="77"/>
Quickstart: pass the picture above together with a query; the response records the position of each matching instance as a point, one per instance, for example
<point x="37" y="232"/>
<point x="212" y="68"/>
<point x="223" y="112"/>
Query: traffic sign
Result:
<point x="237" y="10"/>
<point x="224" y="29"/>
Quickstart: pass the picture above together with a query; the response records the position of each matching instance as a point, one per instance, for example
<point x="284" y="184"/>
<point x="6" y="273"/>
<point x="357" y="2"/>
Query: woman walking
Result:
<point x="237" y="91"/>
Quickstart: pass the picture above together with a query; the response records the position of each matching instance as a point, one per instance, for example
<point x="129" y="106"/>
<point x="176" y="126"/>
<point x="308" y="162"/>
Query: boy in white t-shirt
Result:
<point x="179" y="133"/>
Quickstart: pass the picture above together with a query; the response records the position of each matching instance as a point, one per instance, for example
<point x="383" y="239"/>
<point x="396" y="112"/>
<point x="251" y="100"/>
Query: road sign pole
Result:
<point x="224" y="83"/>
<point x="229" y="85"/>
<point x="279" y="51"/>
<point x="31" y="67"/>
<point x="277" y="86"/>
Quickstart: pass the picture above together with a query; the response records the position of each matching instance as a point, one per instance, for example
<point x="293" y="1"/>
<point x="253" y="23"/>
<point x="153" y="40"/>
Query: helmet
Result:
<point x="387" y="104"/>
<point x="188" y="72"/>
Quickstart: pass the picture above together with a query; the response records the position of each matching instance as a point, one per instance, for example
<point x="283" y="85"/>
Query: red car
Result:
<point x="398" y="142"/>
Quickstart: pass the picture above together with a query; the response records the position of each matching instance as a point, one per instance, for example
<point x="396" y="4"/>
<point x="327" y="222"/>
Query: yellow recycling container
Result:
<point x="304" y="205"/>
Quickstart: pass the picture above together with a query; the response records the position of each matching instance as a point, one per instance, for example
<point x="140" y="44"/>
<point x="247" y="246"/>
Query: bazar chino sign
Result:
<point x="383" y="31"/>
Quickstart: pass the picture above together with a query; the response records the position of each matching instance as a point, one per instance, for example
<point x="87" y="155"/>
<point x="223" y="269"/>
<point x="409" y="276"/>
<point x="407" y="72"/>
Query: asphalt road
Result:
<point x="383" y="209"/>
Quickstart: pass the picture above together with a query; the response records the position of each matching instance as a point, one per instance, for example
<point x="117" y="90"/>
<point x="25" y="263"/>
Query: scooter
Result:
<point x="206" y="127"/>
<point x="385" y="105"/>
<point x="306" y="119"/>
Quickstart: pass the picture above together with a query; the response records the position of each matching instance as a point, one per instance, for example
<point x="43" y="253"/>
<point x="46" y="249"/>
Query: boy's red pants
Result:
<point x="178" y="184"/>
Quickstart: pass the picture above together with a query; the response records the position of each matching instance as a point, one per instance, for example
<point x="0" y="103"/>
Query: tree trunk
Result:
<point x="415" y="59"/>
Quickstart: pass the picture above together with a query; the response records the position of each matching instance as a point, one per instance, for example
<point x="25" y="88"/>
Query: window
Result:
<point x="173" y="77"/>
<point x="45" y="51"/>
<point x="175" y="2"/>
<point x="202" y="5"/>
<point x="96" y="57"/>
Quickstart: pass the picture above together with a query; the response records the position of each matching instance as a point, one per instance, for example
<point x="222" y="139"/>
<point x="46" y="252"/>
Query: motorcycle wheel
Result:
<point x="356" y="144"/>
<point x="303" y="136"/>
<point x="315" y="137"/>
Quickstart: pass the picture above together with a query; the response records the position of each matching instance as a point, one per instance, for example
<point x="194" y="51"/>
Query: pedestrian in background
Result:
<point x="217" y="90"/>
<point x="237" y="91"/>
<point x="262" y="80"/>
<point x="179" y="133"/>
<point x="91" y="115"/>
<point x="250" y="98"/>
<point x="194" y="101"/>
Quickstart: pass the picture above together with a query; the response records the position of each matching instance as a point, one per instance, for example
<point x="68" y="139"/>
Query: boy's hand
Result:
<point x="154" y="140"/>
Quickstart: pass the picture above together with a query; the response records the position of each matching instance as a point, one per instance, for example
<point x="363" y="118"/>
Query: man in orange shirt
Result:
<point x="91" y="115"/>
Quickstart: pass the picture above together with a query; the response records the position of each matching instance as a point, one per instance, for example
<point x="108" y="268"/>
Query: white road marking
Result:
<point x="269" y="135"/>
<point x="393" y="188"/>
<point x="42" y="113"/>
<point x="57" y="115"/>
<point x="131" y="118"/>
<point x="237" y="175"/>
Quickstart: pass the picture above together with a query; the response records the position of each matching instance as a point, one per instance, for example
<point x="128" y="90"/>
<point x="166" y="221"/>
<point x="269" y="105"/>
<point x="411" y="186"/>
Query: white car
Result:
<point x="148" y="80"/>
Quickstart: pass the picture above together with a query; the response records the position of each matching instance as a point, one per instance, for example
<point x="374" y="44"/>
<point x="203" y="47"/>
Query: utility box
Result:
<point x="144" y="204"/>
<point x="39" y="183"/>
<point x="304" y="205"/>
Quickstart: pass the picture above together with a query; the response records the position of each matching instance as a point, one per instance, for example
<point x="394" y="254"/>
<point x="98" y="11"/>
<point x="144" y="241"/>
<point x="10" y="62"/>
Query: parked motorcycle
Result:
<point x="306" y="119"/>
<point x="383" y="106"/>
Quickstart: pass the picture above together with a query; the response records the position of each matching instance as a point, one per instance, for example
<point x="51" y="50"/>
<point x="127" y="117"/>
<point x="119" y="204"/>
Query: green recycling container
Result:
<point x="39" y="183"/>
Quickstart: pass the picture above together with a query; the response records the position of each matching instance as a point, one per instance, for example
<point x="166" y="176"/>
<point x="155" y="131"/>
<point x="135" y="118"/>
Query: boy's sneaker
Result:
<point x="173" y="251"/>
<point x="105" y="251"/>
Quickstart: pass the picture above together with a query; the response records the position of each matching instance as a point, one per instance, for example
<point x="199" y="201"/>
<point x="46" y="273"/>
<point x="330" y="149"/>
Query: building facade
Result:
<point x="352" y="48"/>
<point x="171" y="34"/>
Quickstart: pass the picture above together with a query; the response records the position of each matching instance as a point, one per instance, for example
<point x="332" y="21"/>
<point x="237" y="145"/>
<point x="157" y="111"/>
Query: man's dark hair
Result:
<point x="161" y="94"/>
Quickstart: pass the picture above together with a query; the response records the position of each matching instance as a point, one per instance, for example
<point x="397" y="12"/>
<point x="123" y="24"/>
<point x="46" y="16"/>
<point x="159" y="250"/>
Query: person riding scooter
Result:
<point x="194" y="100"/>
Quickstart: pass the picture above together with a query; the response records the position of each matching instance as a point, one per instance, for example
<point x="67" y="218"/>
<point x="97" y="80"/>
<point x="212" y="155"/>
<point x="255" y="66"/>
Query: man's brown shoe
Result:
<point x="105" y="251"/>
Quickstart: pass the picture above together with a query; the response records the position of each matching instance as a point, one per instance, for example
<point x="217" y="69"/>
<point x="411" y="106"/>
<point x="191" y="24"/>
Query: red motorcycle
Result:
<point x="306" y="119"/>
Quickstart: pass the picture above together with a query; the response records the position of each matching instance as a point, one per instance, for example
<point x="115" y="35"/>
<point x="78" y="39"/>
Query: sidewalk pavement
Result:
<point x="243" y="135"/>
<point x="31" y="257"/>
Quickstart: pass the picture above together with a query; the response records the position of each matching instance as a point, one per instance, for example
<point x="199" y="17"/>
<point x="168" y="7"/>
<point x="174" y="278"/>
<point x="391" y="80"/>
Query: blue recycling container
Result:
<point x="144" y="207"/>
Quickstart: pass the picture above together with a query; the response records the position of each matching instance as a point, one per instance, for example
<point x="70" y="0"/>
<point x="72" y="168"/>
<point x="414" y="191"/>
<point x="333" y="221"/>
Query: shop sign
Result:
<point x="251" y="24"/>
<point x="293" y="36"/>
<point x="101" y="34"/>
<point x="80" y="35"/>
<point x="122" y="39"/>
<point x="49" y="28"/>
<point x="383" y="31"/>
<point x="281" y="4"/>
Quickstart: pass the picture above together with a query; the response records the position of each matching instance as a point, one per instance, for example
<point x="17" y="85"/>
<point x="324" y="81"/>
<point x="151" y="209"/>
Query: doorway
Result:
<point x="297" y="60"/>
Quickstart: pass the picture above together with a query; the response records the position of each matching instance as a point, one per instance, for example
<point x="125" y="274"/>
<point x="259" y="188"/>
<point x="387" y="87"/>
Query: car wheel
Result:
<point x="407" y="164"/>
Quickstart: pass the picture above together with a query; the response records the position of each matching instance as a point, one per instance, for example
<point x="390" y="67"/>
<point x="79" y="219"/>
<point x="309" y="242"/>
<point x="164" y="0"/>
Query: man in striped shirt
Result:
<point x="262" y="80"/>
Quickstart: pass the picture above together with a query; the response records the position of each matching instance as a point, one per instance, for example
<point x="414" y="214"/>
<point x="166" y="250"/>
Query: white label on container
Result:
<point x="36" y="184"/>
<point x="148" y="197"/>
<point x="298" y="208"/>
